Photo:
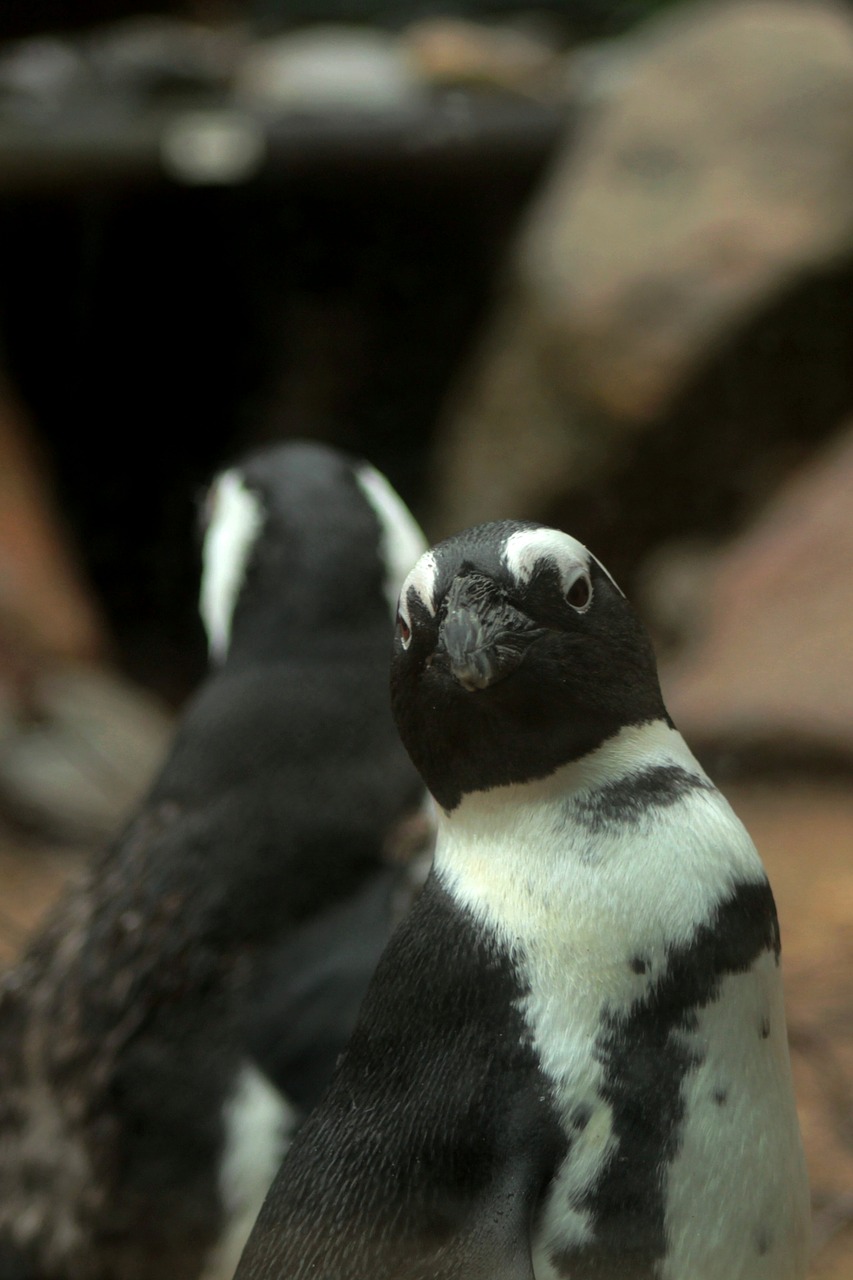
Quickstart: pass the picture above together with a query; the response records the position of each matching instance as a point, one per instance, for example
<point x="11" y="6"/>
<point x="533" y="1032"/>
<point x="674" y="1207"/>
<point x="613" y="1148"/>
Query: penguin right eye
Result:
<point x="405" y="630"/>
<point x="579" y="594"/>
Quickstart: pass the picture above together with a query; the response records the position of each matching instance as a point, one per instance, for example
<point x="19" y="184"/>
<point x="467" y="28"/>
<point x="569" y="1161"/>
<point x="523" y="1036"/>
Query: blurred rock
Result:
<point x="804" y="833"/>
<point x="711" y="170"/>
<point x="37" y="75"/>
<point x="79" y="754"/>
<point x="508" y="435"/>
<point x="717" y="170"/>
<point x="773" y="675"/>
<point x="672" y="592"/>
<point x="451" y="51"/>
<point x="154" y="54"/>
<point x="46" y="605"/>
<point x="32" y="875"/>
<point x="78" y="745"/>
<point x="137" y="60"/>
<point x="329" y="67"/>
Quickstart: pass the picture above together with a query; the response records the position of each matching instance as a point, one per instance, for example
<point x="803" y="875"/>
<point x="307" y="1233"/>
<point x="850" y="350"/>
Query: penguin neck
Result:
<point x="604" y="838"/>
<point x="634" y="749"/>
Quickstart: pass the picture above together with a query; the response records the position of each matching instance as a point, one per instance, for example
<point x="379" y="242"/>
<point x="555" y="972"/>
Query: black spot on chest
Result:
<point x="628" y="799"/>
<point x="645" y="1061"/>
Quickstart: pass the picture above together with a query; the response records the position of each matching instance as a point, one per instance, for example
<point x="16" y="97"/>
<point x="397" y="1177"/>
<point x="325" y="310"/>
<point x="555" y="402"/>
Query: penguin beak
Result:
<point x="483" y="637"/>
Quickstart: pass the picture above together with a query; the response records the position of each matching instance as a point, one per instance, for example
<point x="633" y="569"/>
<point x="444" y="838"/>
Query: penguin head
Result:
<point x="515" y="653"/>
<point x="300" y="541"/>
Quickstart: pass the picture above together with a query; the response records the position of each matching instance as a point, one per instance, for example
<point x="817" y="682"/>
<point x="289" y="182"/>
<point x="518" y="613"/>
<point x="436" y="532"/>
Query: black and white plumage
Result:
<point x="572" y="1060"/>
<point x="237" y="918"/>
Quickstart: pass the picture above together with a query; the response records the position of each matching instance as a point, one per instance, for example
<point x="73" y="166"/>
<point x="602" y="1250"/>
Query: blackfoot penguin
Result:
<point x="137" y="1133"/>
<point x="572" y="1058"/>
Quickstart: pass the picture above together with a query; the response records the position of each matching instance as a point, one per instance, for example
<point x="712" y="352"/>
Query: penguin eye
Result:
<point x="579" y="593"/>
<point x="405" y="630"/>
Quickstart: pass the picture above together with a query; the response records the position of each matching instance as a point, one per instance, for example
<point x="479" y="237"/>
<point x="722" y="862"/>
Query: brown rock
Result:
<point x="32" y="876"/>
<point x="80" y="755"/>
<point x="508" y="436"/>
<point x="453" y="51"/>
<point x="46" y="605"/>
<point x="804" y="833"/>
<point x="712" y="168"/>
<point x="775" y="669"/>
<point x="717" y="169"/>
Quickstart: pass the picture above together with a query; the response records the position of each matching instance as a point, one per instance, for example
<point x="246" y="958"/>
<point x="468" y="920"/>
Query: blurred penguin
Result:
<point x="187" y="1001"/>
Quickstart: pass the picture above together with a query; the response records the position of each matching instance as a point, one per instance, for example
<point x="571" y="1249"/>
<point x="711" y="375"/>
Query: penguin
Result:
<point x="572" y="1058"/>
<point x="307" y="987"/>
<point x="141" y="1117"/>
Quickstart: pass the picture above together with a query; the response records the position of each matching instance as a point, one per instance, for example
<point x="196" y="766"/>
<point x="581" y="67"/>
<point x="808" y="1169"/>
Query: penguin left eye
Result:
<point x="405" y="630"/>
<point x="579" y="594"/>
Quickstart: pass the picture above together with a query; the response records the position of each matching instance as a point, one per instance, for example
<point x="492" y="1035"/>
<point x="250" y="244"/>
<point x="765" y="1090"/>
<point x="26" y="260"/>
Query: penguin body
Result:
<point x="138" y="1127"/>
<point x="572" y="1059"/>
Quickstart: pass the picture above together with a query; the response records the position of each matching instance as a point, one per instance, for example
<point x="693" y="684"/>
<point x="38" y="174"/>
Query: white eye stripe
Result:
<point x="421" y="580"/>
<point x="525" y="549"/>
<point x="236" y="521"/>
<point x="402" y="540"/>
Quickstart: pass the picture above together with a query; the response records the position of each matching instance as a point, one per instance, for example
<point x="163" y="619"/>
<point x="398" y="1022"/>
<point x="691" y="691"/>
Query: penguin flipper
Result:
<point x="496" y="1246"/>
<point x="492" y="1244"/>
<point x="310" y="988"/>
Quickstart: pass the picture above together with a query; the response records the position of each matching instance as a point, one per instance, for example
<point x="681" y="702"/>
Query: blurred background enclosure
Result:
<point x="583" y="261"/>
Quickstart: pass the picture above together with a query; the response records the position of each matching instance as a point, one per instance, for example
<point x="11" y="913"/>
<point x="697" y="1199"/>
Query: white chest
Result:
<point x="734" y="1195"/>
<point x="599" y="916"/>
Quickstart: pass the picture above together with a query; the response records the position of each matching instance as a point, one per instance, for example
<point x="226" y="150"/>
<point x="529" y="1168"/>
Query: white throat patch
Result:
<point x="236" y="521"/>
<point x="401" y="538"/>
